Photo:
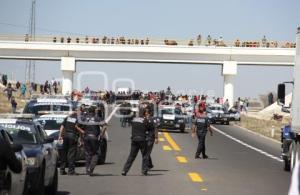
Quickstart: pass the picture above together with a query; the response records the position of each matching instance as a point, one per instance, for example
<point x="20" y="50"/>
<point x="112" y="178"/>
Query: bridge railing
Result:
<point x="149" y="41"/>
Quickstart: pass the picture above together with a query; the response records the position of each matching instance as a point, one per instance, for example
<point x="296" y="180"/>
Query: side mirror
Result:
<point x="281" y="94"/>
<point x="17" y="147"/>
<point x="49" y="140"/>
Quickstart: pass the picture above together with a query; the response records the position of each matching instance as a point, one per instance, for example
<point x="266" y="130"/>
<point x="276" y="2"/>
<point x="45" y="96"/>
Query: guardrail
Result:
<point x="149" y="41"/>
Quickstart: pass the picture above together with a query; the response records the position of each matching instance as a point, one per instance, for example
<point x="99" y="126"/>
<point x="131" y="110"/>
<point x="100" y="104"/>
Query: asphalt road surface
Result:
<point x="240" y="163"/>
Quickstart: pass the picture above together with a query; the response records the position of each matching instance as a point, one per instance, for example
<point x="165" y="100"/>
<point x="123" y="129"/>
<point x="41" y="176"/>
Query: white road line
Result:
<point x="111" y="114"/>
<point x="247" y="145"/>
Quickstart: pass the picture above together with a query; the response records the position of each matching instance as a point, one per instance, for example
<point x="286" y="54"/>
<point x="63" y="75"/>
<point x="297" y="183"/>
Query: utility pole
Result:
<point x="30" y="64"/>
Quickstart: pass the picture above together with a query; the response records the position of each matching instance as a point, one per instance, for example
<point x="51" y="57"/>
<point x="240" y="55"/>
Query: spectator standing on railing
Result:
<point x="199" y="39"/>
<point x="18" y="85"/>
<point x="208" y="40"/>
<point x="4" y="79"/>
<point x="264" y="41"/>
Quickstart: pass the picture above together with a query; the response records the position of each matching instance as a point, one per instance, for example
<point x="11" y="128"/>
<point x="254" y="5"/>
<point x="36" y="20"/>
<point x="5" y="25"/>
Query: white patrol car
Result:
<point x="39" y="104"/>
<point x="52" y="122"/>
<point x="171" y="118"/>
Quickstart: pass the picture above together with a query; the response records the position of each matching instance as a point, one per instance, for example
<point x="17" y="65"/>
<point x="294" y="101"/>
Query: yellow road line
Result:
<point x="203" y="189"/>
<point x="167" y="148"/>
<point x="171" y="141"/>
<point x="181" y="159"/>
<point x="195" y="177"/>
<point x="161" y="139"/>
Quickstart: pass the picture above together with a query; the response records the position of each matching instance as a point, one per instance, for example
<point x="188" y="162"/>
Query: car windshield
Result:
<point x="216" y="108"/>
<point x="168" y="111"/>
<point x="21" y="133"/>
<point x="36" y="108"/>
<point x="51" y="123"/>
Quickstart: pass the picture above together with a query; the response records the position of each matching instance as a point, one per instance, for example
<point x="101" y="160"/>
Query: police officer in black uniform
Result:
<point x="138" y="143"/>
<point x="69" y="133"/>
<point x="94" y="129"/>
<point x="152" y="135"/>
<point x="201" y="126"/>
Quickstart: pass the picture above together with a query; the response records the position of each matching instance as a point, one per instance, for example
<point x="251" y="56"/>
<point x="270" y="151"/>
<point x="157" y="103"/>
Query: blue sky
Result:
<point x="244" y="19"/>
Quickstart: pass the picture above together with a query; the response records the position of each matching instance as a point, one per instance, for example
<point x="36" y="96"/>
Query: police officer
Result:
<point x="138" y="143"/>
<point x="152" y="135"/>
<point x="69" y="132"/>
<point x="94" y="130"/>
<point x="201" y="126"/>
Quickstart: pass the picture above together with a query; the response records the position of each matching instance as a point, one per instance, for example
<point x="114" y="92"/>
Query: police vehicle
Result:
<point x="171" y="118"/>
<point x="41" y="154"/>
<point x="10" y="182"/>
<point x="45" y="103"/>
<point x="52" y="123"/>
<point x="234" y="114"/>
<point x="217" y="114"/>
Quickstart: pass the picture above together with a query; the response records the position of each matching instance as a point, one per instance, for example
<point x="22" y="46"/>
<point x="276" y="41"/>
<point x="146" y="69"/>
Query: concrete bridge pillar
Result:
<point x="229" y="72"/>
<point x="68" y="67"/>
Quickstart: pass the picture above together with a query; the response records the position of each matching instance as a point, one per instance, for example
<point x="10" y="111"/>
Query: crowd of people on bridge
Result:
<point x="198" y="41"/>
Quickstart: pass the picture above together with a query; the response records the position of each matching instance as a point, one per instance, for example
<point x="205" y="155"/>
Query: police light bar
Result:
<point x="39" y="96"/>
<point x="17" y="116"/>
<point x="54" y="112"/>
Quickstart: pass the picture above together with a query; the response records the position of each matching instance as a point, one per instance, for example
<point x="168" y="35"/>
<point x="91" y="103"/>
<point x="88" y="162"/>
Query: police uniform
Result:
<point x="202" y="124"/>
<point x="70" y="138"/>
<point x="91" y="142"/>
<point x="151" y="135"/>
<point x="138" y="143"/>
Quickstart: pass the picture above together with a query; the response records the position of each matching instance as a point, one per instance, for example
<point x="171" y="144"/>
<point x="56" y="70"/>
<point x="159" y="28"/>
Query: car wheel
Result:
<point x="227" y="123"/>
<point x="102" y="152"/>
<point x="39" y="188"/>
<point x="52" y="189"/>
<point x="182" y="128"/>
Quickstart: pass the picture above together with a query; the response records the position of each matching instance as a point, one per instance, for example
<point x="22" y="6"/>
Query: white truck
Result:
<point x="291" y="133"/>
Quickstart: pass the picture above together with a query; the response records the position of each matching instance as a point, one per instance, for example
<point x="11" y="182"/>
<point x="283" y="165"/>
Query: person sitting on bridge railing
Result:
<point x="191" y="42"/>
<point x="69" y="40"/>
<point x="208" y="40"/>
<point x="199" y="39"/>
<point x="62" y="39"/>
<point x="77" y="40"/>
<point x="26" y="38"/>
<point x="237" y="43"/>
<point x="264" y="41"/>
<point x="170" y="42"/>
<point x="54" y="39"/>
<point x="147" y="41"/>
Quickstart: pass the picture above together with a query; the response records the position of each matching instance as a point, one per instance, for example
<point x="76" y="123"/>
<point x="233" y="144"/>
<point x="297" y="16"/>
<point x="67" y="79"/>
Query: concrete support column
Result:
<point x="68" y="67"/>
<point x="295" y="112"/>
<point x="229" y="72"/>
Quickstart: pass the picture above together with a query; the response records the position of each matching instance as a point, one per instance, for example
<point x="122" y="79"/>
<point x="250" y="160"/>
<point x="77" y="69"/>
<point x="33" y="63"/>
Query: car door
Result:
<point x="47" y="150"/>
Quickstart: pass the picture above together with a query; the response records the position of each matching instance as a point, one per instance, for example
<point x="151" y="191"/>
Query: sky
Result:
<point x="231" y="19"/>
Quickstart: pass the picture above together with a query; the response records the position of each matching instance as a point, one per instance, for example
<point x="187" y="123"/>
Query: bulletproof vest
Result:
<point x="70" y="123"/>
<point x="201" y="124"/>
<point x="92" y="127"/>
<point x="139" y="129"/>
<point x="151" y="127"/>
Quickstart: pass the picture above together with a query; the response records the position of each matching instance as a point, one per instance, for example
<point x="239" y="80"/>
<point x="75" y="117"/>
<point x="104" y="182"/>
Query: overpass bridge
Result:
<point x="69" y="53"/>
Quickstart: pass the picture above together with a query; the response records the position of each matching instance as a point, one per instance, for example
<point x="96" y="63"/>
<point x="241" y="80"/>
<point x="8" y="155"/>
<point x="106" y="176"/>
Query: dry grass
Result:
<point x="5" y="105"/>
<point x="263" y="127"/>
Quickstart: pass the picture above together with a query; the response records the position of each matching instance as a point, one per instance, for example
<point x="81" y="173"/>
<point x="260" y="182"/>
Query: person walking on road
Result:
<point x="69" y="132"/>
<point x="201" y="126"/>
<point x="9" y="91"/>
<point x="94" y="131"/>
<point x="152" y="136"/>
<point x="139" y="130"/>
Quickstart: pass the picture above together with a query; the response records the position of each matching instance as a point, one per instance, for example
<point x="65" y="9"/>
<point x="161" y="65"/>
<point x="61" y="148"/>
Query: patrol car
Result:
<point x="45" y="103"/>
<point x="52" y="123"/>
<point x="217" y="114"/>
<point x="10" y="182"/>
<point x="41" y="155"/>
<point x="171" y="118"/>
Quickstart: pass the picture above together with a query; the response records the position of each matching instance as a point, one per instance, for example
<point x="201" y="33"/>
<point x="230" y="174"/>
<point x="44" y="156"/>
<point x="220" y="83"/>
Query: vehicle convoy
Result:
<point x="291" y="133"/>
<point x="217" y="114"/>
<point x="10" y="182"/>
<point x="41" y="155"/>
<point x="171" y="118"/>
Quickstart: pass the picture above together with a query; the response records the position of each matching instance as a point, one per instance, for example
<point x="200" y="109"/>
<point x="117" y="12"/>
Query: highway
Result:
<point x="233" y="167"/>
